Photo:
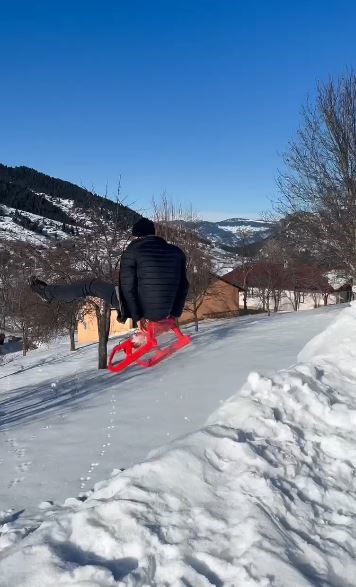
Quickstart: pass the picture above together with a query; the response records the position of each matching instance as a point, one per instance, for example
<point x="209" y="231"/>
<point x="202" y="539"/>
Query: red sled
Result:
<point x="136" y="354"/>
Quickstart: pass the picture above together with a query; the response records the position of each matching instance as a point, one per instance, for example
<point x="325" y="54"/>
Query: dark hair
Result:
<point x="143" y="227"/>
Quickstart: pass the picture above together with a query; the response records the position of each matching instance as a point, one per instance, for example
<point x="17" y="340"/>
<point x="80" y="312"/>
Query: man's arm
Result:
<point x="182" y="291"/>
<point x="128" y="283"/>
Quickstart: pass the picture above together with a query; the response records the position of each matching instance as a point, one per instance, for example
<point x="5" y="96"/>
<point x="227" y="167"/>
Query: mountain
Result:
<point x="233" y="237"/>
<point x="233" y="232"/>
<point x="38" y="208"/>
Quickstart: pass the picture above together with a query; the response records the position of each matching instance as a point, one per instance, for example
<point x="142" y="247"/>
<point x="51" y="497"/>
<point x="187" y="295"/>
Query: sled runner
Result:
<point x="135" y="352"/>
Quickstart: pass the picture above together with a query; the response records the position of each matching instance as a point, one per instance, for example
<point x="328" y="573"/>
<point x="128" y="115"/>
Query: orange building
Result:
<point x="88" y="327"/>
<point x="220" y="301"/>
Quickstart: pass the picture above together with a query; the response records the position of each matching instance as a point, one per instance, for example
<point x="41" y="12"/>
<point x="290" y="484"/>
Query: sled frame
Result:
<point x="136" y="354"/>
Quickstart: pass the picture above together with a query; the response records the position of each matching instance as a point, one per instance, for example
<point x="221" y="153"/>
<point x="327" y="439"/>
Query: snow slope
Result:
<point x="57" y="408"/>
<point x="263" y="495"/>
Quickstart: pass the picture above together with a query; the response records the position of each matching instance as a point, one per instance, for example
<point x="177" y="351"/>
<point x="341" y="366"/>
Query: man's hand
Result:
<point x="142" y="324"/>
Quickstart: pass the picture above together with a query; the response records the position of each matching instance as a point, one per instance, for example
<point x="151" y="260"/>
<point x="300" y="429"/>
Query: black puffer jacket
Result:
<point x="153" y="282"/>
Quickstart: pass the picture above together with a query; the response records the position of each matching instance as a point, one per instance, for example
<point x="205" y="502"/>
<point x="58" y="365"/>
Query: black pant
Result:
<point x="81" y="289"/>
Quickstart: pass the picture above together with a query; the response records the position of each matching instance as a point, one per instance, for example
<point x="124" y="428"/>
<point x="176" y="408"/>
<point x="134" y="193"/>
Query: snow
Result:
<point x="240" y="219"/>
<point x="260" y="493"/>
<point x="63" y="203"/>
<point x="247" y="228"/>
<point x="337" y="278"/>
<point x="9" y="230"/>
<point x="228" y="232"/>
<point x="68" y="206"/>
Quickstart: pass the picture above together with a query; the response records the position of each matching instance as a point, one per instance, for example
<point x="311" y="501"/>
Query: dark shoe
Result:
<point x="41" y="289"/>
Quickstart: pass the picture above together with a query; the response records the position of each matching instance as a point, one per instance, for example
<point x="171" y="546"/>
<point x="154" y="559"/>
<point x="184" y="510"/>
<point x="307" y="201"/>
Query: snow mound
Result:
<point x="264" y="495"/>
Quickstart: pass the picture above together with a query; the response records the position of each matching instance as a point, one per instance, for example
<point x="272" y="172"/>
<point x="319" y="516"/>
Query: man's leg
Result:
<point x="77" y="290"/>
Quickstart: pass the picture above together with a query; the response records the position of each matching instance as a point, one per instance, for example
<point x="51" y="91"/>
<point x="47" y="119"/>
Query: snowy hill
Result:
<point x="233" y="231"/>
<point x="231" y="237"/>
<point x="32" y="228"/>
<point x="262" y="495"/>
<point x="38" y="208"/>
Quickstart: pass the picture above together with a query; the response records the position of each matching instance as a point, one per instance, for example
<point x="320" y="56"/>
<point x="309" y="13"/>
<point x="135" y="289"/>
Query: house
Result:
<point x="88" y="327"/>
<point x="345" y="293"/>
<point x="342" y="285"/>
<point x="221" y="300"/>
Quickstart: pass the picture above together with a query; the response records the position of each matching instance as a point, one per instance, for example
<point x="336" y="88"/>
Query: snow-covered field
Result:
<point x="263" y="494"/>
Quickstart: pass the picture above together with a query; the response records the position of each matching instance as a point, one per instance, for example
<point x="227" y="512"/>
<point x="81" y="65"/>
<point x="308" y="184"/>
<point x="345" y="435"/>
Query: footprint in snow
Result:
<point x="23" y="467"/>
<point x="15" y="481"/>
<point x="19" y="451"/>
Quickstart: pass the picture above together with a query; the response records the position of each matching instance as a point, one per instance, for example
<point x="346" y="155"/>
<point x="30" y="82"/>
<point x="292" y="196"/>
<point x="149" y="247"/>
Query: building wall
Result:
<point x="88" y="329"/>
<point x="222" y="299"/>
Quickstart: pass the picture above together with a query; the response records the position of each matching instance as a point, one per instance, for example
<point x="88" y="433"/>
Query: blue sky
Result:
<point x="198" y="98"/>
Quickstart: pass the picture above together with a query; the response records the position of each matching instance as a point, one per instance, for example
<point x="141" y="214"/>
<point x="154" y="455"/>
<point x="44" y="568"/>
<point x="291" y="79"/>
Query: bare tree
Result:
<point x="59" y="263"/>
<point x="245" y="260"/>
<point x="69" y="314"/>
<point x="5" y="279"/>
<point x="34" y="319"/>
<point x="266" y="277"/>
<point x="318" y="188"/>
<point x="294" y="284"/>
<point x="93" y="252"/>
<point x="199" y="273"/>
<point x="265" y="273"/>
<point x="310" y="279"/>
<point x="276" y="260"/>
<point x="97" y="252"/>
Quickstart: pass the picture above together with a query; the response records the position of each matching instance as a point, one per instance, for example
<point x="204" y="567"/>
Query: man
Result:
<point x="152" y="281"/>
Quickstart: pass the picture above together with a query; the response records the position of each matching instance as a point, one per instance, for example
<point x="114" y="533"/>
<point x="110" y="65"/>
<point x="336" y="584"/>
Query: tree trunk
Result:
<point x="103" y="318"/>
<point x="268" y="305"/>
<point x="71" y="332"/>
<point x="263" y="301"/>
<point x="276" y="299"/>
<point x="245" y="300"/>
<point x="24" y="341"/>
<point x="102" y="347"/>
<point x="325" y="299"/>
<point x="196" y="321"/>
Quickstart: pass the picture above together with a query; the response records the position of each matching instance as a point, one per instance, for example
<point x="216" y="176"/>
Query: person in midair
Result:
<point x="152" y="280"/>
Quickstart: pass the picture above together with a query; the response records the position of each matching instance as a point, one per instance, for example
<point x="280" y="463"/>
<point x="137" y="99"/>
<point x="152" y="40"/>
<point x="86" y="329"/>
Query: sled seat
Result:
<point x="135" y="353"/>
